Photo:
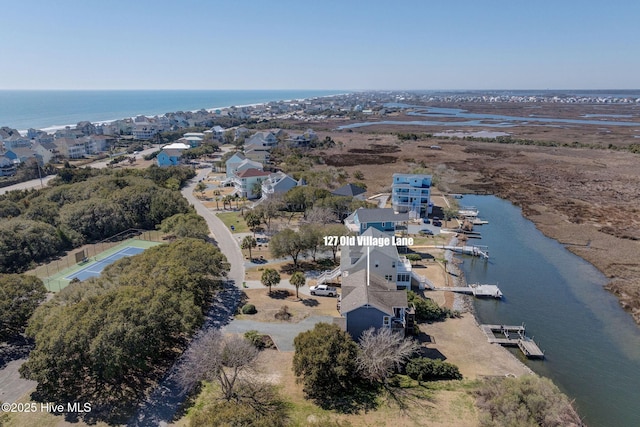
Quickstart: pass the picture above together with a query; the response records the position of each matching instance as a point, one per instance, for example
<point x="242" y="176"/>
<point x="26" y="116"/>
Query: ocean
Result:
<point x="47" y="109"/>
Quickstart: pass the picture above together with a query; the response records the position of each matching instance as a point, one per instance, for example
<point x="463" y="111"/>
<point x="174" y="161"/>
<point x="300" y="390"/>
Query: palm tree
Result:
<point x="269" y="278"/>
<point x="249" y="242"/>
<point x="298" y="279"/>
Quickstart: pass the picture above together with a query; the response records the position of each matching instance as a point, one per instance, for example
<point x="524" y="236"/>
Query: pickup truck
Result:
<point x="324" y="290"/>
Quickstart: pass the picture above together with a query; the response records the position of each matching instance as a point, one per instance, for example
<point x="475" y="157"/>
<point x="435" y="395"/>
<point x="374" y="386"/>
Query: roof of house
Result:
<point x="349" y="190"/>
<point x="237" y="157"/>
<point x="249" y="173"/>
<point x="177" y="146"/>
<point x="22" y="151"/>
<point x="350" y="255"/>
<point x="376" y="292"/>
<point x="250" y="163"/>
<point x="172" y="152"/>
<point x="380" y="215"/>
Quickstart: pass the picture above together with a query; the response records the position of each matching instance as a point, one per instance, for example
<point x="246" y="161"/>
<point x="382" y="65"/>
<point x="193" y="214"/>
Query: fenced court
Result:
<point x="95" y="268"/>
<point x="57" y="274"/>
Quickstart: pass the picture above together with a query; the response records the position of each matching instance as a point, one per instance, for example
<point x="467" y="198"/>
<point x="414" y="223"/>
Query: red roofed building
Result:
<point x="248" y="182"/>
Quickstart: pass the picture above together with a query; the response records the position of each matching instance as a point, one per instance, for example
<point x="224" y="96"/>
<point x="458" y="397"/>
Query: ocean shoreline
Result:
<point x="148" y="110"/>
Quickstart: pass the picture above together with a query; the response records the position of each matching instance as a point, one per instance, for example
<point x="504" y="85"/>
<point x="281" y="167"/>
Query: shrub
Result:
<point x="249" y="309"/>
<point x="526" y="401"/>
<point x="428" y="310"/>
<point x="283" y="313"/>
<point x="424" y="369"/>
<point x="259" y="340"/>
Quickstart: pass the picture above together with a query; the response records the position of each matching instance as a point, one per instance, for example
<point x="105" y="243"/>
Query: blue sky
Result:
<point x="320" y="44"/>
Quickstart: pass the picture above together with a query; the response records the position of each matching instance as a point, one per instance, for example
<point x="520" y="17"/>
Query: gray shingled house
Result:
<point x="370" y="301"/>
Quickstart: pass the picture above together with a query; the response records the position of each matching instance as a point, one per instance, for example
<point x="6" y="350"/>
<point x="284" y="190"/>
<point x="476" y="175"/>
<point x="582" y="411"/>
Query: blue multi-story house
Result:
<point x="411" y="193"/>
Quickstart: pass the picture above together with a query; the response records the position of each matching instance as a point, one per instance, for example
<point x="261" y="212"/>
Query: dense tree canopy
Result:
<point x="186" y="225"/>
<point x="19" y="297"/>
<point x="105" y="337"/>
<point x="83" y="206"/>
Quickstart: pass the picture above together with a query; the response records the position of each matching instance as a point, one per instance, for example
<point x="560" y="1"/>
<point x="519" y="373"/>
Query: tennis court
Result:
<point x="94" y="269"/>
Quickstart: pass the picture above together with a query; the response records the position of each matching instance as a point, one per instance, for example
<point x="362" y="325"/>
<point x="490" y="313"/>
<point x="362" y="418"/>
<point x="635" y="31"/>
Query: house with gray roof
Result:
<point x="384" y="261"/>
<point x="350" y="190"/>
<point x="277" y="182"/>
<point x="384" y="219"/>
<point x="370" y="301"/>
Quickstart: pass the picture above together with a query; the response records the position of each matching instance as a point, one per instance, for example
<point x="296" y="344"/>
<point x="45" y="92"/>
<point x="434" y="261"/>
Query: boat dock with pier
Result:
<point x="513" y="336"/>
<point x="479" y="251"/>
<point x="475" y="289"/>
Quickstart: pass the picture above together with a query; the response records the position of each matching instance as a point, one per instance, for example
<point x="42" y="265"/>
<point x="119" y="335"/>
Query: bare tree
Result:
<point x="382" y="353"/>
<point x="213" y="357"/>
<point x="320" y="215"/>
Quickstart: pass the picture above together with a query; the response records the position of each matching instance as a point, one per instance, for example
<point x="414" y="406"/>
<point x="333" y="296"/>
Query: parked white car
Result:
<point x="324" y="290"/>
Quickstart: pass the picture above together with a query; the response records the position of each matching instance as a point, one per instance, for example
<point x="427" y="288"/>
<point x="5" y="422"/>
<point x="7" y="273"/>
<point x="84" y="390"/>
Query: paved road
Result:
<point x="164" y="401"/>
<point x="221" y="234"/>
<point x="34" y="183"/>
<point x="281" y="333"/>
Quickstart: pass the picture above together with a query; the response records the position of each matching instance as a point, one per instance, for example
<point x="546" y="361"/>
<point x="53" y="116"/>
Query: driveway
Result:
<point x="282" y="333"/>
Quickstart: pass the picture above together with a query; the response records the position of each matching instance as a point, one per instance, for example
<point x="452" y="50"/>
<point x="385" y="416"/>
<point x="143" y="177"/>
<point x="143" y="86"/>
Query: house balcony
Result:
<point x="403" y="265"/>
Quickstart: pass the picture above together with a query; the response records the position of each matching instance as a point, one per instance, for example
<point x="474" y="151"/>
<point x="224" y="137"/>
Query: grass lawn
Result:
<point x="441" y="403"/>
<point x="235" y="219"/>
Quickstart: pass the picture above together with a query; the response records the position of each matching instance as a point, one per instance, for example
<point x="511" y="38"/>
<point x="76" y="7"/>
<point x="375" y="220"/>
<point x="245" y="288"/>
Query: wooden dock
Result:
<point x="479" y="251"/>
<point x="513" y="336"/>
<point x="474" y="289"/>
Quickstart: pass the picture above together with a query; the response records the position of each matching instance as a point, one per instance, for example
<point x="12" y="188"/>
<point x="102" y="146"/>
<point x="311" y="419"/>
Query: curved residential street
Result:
<point x="223" y="237"/>
<point x="165" y="400"/>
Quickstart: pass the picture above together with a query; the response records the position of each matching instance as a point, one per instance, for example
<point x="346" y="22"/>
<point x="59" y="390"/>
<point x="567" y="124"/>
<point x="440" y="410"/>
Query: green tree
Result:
<point x="249" y="242"/>
<point x="334" y="230"/>
<point x="20" y="295"/>
<point x="270" y="277"/>
<point x="298" y="279"/>
<point x="186" y="225"/>
<point x="253" y="220"/>
<point x="311" y="236"/>
<point x="200" y="188"/>
<point x="287" y="243"/>
<point x="256" y="189"/>
<point x="116" y="329"/>
<point x="414" y="258"/>
<point x="325" y="363"/>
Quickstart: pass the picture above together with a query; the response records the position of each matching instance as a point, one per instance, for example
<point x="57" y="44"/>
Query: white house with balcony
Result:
<point x="247" y="181"/>
<point x="277" y="182"/>
<point x="384" y="261"/>
<point x="411" y="193"/>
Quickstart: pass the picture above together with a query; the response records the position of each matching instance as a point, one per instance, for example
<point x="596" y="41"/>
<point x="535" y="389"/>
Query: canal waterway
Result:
<point x="592" y="346"/>
<point x="432" y="117"/>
